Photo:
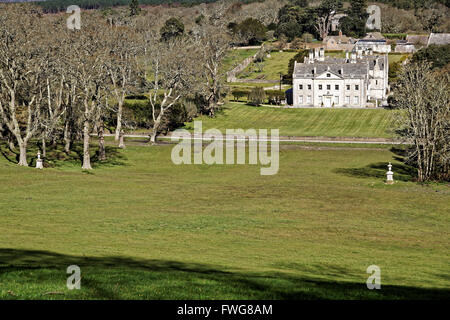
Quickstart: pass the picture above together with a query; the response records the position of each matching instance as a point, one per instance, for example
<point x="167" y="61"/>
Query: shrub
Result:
<point x="275" y="96"/>
<point x="238" y="93"/>
<point x="257" y="96"/>
<point x="307" y="37"/>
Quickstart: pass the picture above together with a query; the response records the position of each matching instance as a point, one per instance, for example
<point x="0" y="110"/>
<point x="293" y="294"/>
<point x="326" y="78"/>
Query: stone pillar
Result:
<point x="39" y="164"/>
<point x="390" y="175"/>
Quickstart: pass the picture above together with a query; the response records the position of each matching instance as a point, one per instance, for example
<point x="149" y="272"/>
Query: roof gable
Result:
<point x="324" y="75"/>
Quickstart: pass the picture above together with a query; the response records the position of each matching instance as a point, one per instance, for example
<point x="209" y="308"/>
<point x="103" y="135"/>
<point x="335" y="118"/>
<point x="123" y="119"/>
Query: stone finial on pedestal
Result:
<point x="39" y="164"/>
<point x="390" y="175"/>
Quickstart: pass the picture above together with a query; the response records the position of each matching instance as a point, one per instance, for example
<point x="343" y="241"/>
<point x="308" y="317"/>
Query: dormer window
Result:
<point x="328" y="75"/>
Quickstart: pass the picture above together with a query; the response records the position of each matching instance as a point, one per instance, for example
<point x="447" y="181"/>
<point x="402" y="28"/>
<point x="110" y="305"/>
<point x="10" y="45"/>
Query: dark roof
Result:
<point x="439" y="38"/>
<point x="371" y="40"/>
<point x="352" y="70"/>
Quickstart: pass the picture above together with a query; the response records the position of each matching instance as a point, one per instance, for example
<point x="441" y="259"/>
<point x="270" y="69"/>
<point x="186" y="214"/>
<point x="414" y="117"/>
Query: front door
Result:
<point x="327" y="103"/>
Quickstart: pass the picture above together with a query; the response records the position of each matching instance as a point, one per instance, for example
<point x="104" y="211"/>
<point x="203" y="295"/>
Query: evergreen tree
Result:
<point x="134" y="7"/>
<point x="172" y="28"/>
<point x="354" y="24"/>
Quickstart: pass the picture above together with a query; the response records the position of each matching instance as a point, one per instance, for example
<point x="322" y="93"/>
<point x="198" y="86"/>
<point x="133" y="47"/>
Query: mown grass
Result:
<point x="235" y="57"/>
<point x="273" y="66"/>
<point x="303" y="122"/>
<point x="144" y="228"/>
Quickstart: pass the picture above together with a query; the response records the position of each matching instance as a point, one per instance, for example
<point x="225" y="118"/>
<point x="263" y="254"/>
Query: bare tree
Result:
<point x="212" y="37"/>
<point x="171" y="72"/>
<point x="87" y="62"/>
<point x="324" y="15"/>
<point x="21" y="81"/>
<point x="424" y="98"/>
<point x="121" y="67"/>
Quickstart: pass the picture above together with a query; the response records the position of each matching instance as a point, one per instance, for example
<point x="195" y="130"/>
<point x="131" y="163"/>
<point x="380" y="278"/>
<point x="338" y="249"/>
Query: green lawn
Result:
<point x="278" y="62"/>
<point x="141" y="227"/>
<point x="234" y="57"/>
<point x="303" y="122"/>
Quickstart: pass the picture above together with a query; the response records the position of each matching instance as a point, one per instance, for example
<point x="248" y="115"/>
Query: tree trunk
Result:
<point x="67" y="137"/>
<point x="44" y="148"/>
<point x="153" y="137"/>
<point x="86" y="155"/>
<point x="155" y="130"/>
<point x="119" y="121"/>
<point x="101" y="143"/>
<point x="23" y="154"/>
<point x="12" y="147"/>
<point x="121" y="140"/>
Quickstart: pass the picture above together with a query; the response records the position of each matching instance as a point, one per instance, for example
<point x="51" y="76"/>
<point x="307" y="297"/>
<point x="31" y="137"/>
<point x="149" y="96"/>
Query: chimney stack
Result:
<point x="346" y="57"/>
<point x="353" y="59"/>
<point x="322" y="54"/>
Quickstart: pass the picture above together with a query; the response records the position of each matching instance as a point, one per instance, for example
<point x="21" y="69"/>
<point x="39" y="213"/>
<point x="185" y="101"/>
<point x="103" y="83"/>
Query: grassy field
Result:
<point x="234" y="57"/>
<point x="303" y="122"/>
<point x="140" y="227"/>
<point x="278" y="62"/>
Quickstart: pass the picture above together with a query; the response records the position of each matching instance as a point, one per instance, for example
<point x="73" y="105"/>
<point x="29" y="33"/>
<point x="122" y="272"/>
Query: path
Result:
<point x="336" y="140"/>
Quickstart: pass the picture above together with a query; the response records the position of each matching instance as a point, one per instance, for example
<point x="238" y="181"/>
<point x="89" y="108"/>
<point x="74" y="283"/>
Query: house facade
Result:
<point x="356" y="81"/>
<point x="380" y="46"/>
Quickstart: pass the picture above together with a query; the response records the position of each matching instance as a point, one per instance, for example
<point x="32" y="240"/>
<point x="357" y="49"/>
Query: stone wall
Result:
<point x="232" y="75"/>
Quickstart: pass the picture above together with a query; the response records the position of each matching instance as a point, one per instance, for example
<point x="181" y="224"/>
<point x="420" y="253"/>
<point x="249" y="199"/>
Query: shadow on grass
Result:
<point x="57" y="157"/>
<point x="178" y="280"/>
<point x="378" y="170"/>
<point x="402" y="171"/>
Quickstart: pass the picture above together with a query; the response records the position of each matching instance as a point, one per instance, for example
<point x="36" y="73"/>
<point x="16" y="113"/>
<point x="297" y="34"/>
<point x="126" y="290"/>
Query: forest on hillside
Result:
<point x="61" y="5"/>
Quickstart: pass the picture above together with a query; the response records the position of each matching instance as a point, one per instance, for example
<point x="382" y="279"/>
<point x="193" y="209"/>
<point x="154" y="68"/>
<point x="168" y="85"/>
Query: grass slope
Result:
<point x="303" y="122"/>
<point x="273" y="66"/>
<point x="148" y="229"/>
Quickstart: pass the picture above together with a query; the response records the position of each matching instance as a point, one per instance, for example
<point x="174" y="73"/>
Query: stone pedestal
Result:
<point x="390" y="175"/>
<point x="39" y="162"/>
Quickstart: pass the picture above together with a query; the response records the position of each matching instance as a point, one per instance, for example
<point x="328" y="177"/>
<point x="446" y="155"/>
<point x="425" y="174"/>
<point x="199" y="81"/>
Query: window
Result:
<point x="308" y="99"/>
<point x="309" y="87"/>
<point x="347" y="99"/>
<point x="328" y="86"/>
<point x="348" y="87"/>
<point x="356" y="100"/>
<point x="328" y="75"/>
<point x="300" y="86"/>
<point x="320" y="87"/>
<point x="336" y="87"/>
<point x="376" y="82"/>
<point x="336" y="99"/>
<point x="356" y="87"/>
<point x="300" y="99"/>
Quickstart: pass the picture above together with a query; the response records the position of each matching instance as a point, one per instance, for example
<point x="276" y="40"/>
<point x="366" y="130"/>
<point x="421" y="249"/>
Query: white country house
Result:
<point x="357" y="81"/>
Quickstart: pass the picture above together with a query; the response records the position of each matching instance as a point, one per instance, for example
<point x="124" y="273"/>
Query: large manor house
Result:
<point x="359" y="80"/>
